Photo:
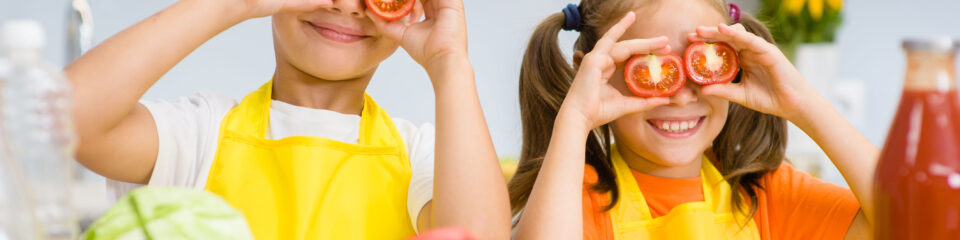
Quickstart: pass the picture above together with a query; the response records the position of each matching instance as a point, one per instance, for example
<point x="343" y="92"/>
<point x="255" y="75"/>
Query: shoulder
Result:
<point x="187" y="136"/>
<point x="408" y="128"/>
<point x="786" y="174"/>
<point x="418" y="138"/>
<point x="589" y="175"/>
<point x="200" y="103"/>
<point x="805" y="207"/>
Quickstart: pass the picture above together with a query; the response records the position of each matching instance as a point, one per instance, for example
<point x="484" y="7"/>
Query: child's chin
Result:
<point x="676" y="157"/>
<point x="334" y="70"/>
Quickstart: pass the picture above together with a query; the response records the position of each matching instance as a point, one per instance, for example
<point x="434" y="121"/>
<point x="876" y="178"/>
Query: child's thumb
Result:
<point x="730" y="91"/>
<point x="393" y="30"/>
<point x="637" y="104"/>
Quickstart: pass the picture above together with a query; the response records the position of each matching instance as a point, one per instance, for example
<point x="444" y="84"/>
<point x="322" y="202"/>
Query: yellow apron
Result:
<point x="712" y="218"/>
<point x="311" y="187"/>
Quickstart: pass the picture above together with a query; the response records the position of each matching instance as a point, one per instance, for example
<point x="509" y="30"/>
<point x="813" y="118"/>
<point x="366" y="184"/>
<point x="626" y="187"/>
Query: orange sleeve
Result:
<point x="596" y="222"/>
<point x="800" y="206"/>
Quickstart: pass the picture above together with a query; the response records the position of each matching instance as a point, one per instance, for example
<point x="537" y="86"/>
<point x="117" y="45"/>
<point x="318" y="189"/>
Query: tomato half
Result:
<point x="711" y="63"/>
<point x="654" y="75"/>
<point x="390" y="10"/>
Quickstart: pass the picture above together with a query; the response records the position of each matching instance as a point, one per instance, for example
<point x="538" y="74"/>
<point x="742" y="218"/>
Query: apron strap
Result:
<point x="254" y="110"/>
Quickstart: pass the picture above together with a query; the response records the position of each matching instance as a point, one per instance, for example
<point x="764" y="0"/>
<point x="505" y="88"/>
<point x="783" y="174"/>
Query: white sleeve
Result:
<point x="187" y="131"/>
<point x="420" y="143"/>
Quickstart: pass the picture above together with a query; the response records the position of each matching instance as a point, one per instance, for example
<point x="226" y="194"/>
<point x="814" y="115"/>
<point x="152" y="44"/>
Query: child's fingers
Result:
<point x="393" y="30"/>
<point x="712" y="34"/>
<point x="746" y="40"/>
<point x="638" y="104"/>
<point x="694" y="37"/>
<point x="416" y="14"/>
<point x="621" y="51"/>
<point x="737" y="37"/>
<point x="429" y="8"/>
<point x="738" y="27"/>
<point x="765" y="53"/>
<point x="733" y="92"/>
<point x="611" y="36"/>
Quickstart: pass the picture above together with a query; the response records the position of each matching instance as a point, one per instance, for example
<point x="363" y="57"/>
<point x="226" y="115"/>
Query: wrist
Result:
<point x="573" y="120"/>
<point x="449" y="68"/>
<point x="816" y="110"/>
<point x="443" y="61"/>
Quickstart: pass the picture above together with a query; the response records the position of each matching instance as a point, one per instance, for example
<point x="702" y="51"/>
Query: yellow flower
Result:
<point x="835" y="4"/>
<point x="793" y="6"/>
<point x="816" y="9"/>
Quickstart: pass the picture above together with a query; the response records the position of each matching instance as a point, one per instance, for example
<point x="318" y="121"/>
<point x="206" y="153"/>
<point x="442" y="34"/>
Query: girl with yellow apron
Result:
<point x="712" y="218"/>
<point x="311" y="187"/>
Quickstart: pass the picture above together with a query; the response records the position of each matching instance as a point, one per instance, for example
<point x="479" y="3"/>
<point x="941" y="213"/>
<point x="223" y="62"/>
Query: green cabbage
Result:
<point x="169" y="213"/>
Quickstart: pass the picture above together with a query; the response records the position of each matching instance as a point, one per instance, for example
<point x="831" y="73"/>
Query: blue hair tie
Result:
<point x="573" y="20"/>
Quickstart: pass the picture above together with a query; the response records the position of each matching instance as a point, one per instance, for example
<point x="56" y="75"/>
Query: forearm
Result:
<point x="850" y="151"/>
<point x="553" y="210"/>
<point x="469" y="189"/>
<point x="110" y="79"/>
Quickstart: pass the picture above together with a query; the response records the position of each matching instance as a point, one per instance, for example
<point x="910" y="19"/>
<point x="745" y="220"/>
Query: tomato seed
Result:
<point x="390" y="5"/>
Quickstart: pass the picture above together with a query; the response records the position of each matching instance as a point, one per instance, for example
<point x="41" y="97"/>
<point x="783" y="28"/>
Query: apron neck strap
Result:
<point x="252" y="117"/>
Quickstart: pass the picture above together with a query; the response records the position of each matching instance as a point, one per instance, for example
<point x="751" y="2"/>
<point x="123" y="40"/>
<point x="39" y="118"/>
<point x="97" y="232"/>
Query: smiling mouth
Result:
<point x="677" y="128"/>
<point x="337" y="35"/>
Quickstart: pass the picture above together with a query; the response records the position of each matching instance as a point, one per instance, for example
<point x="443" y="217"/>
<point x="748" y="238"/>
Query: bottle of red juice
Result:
<point x="917" y="191"/>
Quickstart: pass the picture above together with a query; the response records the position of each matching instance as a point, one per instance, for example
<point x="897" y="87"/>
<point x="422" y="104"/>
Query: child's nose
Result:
<point x="353" y="8"/>
<point x="687" y="94"/>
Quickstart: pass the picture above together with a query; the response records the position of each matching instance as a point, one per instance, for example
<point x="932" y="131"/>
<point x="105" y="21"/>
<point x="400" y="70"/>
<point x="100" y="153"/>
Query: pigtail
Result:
<point x="545" y="78"/>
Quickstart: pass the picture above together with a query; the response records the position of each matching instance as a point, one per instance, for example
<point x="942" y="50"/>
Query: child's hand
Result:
<point x="769" y="83"/>
<point x="263" y="8"/>
<point x="591" y="97"/>
<point x="442" y="33"/>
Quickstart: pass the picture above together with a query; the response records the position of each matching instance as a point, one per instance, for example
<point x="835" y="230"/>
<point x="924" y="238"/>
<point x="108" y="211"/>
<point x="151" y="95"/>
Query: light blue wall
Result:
<point x="241" y="58"/>
<point x="869" y="44"/>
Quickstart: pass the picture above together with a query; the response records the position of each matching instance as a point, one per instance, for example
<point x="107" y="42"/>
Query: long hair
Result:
<point x="749" y="145"/>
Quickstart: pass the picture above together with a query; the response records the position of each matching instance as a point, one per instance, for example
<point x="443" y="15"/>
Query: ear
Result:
<point x="577" y="58"/>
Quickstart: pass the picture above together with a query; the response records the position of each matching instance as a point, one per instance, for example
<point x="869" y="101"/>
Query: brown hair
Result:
<point x="745" y="150"/>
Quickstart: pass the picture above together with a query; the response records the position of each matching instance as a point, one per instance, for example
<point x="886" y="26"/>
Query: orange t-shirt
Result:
<point x="794" y="205"/>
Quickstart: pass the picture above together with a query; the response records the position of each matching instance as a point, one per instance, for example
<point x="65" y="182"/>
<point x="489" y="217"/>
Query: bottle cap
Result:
<point x="940" y="43"/>
<point x="22" y="34"/>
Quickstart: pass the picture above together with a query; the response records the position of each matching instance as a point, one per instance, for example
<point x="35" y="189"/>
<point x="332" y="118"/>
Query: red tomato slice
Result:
<point x="390" y="10"/>
<point x="654" y="75"/>
<point x="711" y="63"/>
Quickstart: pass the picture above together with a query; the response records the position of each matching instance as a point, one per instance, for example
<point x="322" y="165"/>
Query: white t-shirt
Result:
<point x="188" y="130"/>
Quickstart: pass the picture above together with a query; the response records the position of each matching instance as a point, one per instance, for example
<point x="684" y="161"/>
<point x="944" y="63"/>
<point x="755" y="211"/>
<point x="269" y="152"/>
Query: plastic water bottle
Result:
<point x="16" y="220"/>
<point x="16" y="216"/>
<point x="38" y="132"/>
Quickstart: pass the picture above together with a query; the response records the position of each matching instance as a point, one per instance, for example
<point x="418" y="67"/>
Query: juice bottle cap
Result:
<point x="23" y="34"/>
<point x="941" y="43"/>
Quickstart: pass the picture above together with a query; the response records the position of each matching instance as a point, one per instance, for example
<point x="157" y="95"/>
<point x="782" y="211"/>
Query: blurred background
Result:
<point x="849" y="50"/>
